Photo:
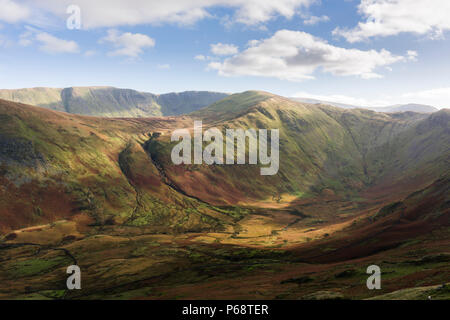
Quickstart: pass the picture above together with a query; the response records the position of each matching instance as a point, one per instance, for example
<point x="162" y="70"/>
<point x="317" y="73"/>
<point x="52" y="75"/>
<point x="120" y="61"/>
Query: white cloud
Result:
<point x="164" y="66"/>
<point x="315" y="20"/>
<point x="222" y="49"/>
<point x="200" y="57"/>
<point x="25" y="39"/>
<point x="107" y="13"/>
<point x="90" y="53"/>
<point x="128" y="44"/>
<point x="438" y="97"/>
<point x="391" y="17"/>
<point x="295" y="55"/>
<point x="339" y="98"/>
<point x="52" y="44"/>
<point x="48" y="43"/>
<point x="412" y="55"/>
<point x="12" y="12"/>
<point x="253" y="43"/>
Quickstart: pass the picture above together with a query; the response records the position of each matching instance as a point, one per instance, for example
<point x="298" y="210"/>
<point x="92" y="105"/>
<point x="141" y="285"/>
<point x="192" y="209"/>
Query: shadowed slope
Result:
<point x="420" y="213"/>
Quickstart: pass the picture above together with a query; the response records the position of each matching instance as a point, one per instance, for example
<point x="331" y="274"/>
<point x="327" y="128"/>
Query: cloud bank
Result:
<point x="12" y="12"/>
<point x="392" y="17"/>
<point x="295" y="55"/>
<point x="115" y="13"/>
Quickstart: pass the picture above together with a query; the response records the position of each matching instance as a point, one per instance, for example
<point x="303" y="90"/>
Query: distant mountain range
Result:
<point x="112" y="102"/>
<point x="421" y="108"/>
<point x="412" y="107"/>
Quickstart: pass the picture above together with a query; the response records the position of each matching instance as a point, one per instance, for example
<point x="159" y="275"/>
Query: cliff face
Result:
<point x="110" y="102"/>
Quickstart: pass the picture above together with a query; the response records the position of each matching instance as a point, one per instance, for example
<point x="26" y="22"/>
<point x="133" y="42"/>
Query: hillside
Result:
<point x="56" y="165"/>
<point x="322" y="149"/>
<point x="112" y="102"/>
<point x="354" y="187"/>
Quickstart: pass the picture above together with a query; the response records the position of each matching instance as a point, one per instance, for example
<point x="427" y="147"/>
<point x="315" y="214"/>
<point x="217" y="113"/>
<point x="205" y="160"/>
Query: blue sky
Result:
<point x="363" y="52"/>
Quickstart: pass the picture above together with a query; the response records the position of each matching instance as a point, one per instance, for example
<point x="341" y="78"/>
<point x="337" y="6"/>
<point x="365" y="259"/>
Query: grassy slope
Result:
<point x="45" y="97"/>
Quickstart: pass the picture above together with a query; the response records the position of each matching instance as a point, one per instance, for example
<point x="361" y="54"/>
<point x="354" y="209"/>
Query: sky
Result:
<point x="360" y="52"/>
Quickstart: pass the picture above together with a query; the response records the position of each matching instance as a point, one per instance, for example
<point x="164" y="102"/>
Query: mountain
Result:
<point x="354" y="188"/>
<point x="407" y="107"/>
<point x="330" y="103"/>
<point x="411" y="107"/>
<point x="112" y="102"/>
<point x="322" y="148"/>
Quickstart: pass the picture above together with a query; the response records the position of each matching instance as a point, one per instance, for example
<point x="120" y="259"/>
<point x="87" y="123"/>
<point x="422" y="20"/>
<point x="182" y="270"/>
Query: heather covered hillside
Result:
<point x="55" y="165"/>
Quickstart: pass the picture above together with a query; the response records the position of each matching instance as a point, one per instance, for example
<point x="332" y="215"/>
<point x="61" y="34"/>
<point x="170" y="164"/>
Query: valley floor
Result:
<point x="303" y="249"/>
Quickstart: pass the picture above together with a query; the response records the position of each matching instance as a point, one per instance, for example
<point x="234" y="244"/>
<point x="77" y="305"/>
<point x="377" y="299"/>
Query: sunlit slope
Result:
<point x="234" y="106"/>
<point x="323" y="149"/>
<point x="45" y="97"/>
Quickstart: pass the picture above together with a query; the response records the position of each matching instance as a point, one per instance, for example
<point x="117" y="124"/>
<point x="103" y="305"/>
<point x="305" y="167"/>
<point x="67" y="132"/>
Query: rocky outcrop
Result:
<point x="20" y="152"/>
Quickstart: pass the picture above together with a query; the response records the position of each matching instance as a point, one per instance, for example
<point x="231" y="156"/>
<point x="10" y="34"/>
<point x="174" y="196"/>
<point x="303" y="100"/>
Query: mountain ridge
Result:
<point x="324" y="150"/>
<point x="108" y="101"/>
<point x="409" y="107"/>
